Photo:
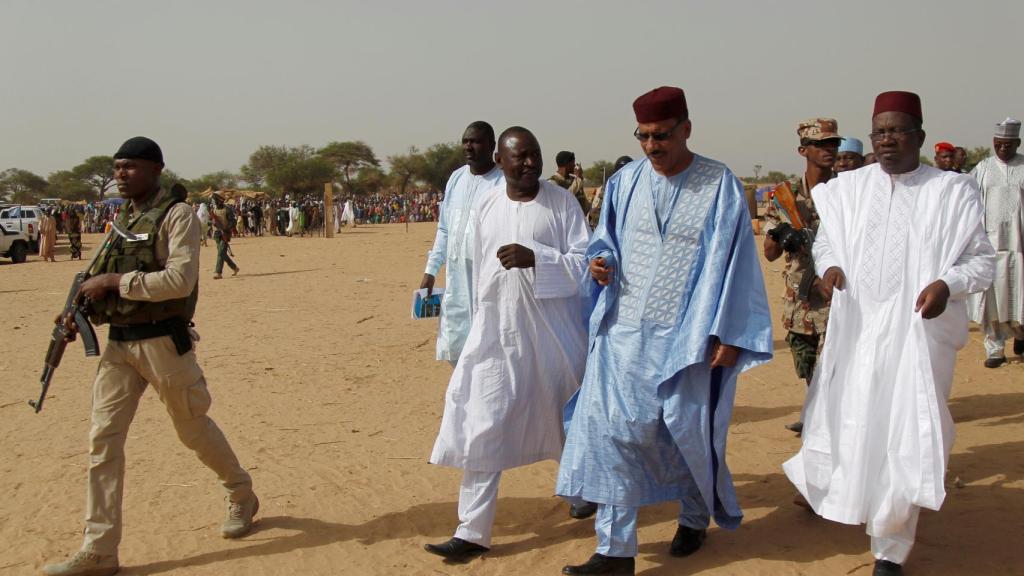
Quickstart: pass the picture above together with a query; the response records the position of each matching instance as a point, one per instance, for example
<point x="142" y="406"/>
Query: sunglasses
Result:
<point x="656" y="136"/>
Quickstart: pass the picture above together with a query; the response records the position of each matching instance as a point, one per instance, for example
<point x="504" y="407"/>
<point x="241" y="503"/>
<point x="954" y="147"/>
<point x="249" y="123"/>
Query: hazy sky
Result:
<point x="212" y="80"/>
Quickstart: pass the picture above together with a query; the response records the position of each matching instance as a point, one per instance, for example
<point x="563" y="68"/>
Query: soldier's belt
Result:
<point x="176" y="328"/>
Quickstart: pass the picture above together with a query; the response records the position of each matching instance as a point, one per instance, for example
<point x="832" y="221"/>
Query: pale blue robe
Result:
<point x="650" y="421"/>
<point x="453" y="247"/>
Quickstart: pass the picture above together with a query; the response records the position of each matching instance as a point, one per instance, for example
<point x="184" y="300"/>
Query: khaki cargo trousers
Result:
<point x="125" y="370"/>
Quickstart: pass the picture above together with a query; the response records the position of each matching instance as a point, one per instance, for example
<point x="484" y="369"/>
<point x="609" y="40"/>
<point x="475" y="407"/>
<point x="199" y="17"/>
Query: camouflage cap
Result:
<point x="818" y="129"/>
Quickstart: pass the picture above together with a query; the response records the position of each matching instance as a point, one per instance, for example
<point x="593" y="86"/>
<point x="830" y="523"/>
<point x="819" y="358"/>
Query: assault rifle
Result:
<point x="62" y="334"/>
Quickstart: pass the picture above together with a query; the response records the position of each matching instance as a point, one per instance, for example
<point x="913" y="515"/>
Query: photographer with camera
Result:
<point x="805" y="312"/>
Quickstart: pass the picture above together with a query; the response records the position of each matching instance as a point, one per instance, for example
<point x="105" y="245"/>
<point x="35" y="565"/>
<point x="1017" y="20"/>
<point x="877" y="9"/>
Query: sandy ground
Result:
<point x="331" y="396"/>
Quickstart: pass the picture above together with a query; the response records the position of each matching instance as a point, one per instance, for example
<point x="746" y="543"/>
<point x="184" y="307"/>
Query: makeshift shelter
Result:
<point x="230" y="195"/>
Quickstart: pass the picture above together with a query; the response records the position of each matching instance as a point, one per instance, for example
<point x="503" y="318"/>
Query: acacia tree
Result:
<point x="261" y="163"/>
<point x="97" y="172"/>
<point x="439" y="161"/>
<point x="368" y="181"/>
<point x="22" y="186"/>
<point x="975" y="155"/>
<point x="597" y="172"/>
<point x="406" y="168"/>
<point x="66" y="185"/>
<point x="222" y="180"/>
<point x="300" y="171"/>
<point x="169" y="178"/>
<point x="349" y="158"/>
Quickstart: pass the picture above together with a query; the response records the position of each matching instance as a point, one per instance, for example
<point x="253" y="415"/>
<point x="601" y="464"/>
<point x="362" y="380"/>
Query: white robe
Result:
<point x="203" y="213"/>
<point x="293" y="220"/>
<point x="877" y="431"/>
<point x="527" y="346"/>
<point x="348" y="216"/>
<point x="1002" y="191"/>
<point x="453" y="248"/>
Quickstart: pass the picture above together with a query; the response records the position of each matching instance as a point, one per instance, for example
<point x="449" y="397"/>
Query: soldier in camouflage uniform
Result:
<point x="805" y="312"/>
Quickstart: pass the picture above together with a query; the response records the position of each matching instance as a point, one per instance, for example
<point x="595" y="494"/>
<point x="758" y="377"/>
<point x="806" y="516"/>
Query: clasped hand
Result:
<point x="600" y="271"/>
<point x="515" y="256"/>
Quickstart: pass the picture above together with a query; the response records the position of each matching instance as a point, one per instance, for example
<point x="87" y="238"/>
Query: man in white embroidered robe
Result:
<point x="1000" y="309"/>
<point x="899" y="247"/>
<point x="453" y="244"/>
<point x="526" y="349"/>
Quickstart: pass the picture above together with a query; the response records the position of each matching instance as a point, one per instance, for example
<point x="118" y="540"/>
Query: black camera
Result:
<point x="791" y="239"/>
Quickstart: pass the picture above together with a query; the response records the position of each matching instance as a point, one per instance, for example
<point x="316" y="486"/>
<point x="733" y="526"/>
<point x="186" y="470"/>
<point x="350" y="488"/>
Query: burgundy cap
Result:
<point x="897" y="101"/>
<point x="660" y="104"/>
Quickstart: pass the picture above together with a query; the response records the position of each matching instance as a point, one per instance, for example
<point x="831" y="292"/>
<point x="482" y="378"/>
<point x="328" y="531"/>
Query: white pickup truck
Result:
<point x="25" y="219"/>
<point x="13" y="244"/>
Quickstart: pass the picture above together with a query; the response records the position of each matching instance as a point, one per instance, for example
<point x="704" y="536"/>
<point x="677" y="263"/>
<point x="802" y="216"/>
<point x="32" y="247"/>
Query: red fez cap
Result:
<point x="660" y="104"/>
<point x="944" y="146"/>
<point x="897" y="101"/>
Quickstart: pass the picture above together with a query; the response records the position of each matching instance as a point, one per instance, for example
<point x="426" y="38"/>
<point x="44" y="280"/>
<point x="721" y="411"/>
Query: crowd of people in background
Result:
<point x="305" y="215"/>
<point x="301" y="215"/>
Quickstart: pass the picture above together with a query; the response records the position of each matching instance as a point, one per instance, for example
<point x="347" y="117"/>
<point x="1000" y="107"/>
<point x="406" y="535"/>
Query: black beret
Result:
<point x="140" y="148"/>
<point x="564" y="157"/>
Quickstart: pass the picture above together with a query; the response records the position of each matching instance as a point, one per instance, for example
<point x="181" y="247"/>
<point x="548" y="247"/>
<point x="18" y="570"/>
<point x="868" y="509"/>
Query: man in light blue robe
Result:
<point x="678" y="312"/>
<point x="453" y="244"/>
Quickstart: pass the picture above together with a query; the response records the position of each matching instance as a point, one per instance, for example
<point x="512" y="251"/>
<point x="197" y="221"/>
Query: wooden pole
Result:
<point x="329" y="209"/>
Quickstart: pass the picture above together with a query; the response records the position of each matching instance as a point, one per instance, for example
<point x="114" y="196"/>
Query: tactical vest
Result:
<point x="140" y="255"/>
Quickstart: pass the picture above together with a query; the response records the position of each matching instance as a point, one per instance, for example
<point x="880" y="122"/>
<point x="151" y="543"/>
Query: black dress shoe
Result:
<point x="995" y="362"/>
<point x="797" y="427"/>
<point x="687" y="541"/>
<point x="601" y="564"/>
<point x="1018" y="346"/>
<point x="886" y="568"/>
<point x="582" y="510"/>
<point x="456" y="549"/>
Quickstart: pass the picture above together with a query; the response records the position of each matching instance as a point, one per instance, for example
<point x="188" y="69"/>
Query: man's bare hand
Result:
<point x="515" y="256"/>
<point x="70" y="326"/>
<point x="428" y="283"/>
<point x="96" y="288"/>
<point x="723" y="355"/>
<point x="600" y="271"/>
<point x="932" y="300"/>
<point x="834" y="279"/>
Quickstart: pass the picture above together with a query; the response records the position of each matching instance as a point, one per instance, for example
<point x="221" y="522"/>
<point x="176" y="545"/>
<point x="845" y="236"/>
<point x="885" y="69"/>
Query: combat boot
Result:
<point x="239" y="520"/>
<point x="84" y="564"/>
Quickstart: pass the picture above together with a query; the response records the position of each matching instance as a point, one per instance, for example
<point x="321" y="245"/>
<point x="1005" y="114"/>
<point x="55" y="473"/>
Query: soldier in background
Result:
<point x="804" y="312"/>
<point x="595" y="205"/>
<point x="224" y="220"/>
<point x="570" y="176"/>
